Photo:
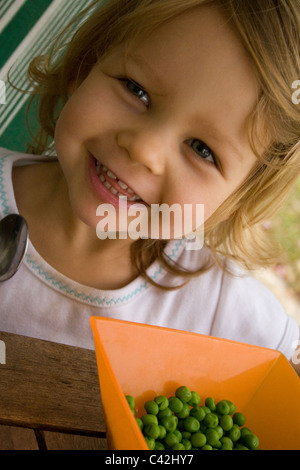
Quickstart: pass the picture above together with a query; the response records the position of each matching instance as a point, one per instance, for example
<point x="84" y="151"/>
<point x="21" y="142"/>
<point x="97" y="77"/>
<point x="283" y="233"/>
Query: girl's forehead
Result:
<point x="195" y="58"/>
<point x="197" y="43"/>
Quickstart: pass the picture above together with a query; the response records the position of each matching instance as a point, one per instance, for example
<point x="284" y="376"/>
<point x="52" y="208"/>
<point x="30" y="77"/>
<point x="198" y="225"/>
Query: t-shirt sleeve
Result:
<point x="249" y="312"/>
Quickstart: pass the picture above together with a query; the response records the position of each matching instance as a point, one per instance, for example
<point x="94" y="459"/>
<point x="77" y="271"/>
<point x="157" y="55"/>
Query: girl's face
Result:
<point x="168" y="120"/>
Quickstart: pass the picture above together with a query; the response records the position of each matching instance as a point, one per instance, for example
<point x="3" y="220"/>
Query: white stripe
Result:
<point x="26" y="50"/>
<point x="10" y="13"/>
<point x="16" y="110"/>
<point x="5" y="6"/>
<point x="34" y="43"/>
<point x="18" y="75"/>
<point x="32" y="48"/>
<point x="31" y="36"/>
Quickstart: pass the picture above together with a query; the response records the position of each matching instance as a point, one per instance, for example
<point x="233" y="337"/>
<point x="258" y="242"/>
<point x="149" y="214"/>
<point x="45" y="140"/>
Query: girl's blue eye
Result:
<point x="136" y="90"/>
<point x="202" y="150"/>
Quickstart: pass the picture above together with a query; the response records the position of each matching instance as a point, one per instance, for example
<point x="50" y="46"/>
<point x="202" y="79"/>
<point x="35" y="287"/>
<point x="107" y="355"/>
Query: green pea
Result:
<point x="251" y="441"/>
<point x="186" y="435"/>
<point x="234" y="433"/>
<point x="240" y="446"/>
<point x="162" y="402"/>
<point x="198" y="439"/>
<point x="152" y="430"/>
<point x="207" y="447"/>
<point x="184" y="412"/>
<point x="183" y="393"/>
<point x="198" y="413"/>
<point x="205" y="409"/>
<point x="195" y="399"/>
<point x="203" y="427"/>
<point x="178" y="446"/>
<point x="217" y="445"/>
<point x="225" y="447"/>
<point x="159" y="446"/>
<point x="211" y="420"/>
<point x="210" y="403"/>
<point x="178" y="434"/>
<point x="239" y="419"/>
<point x="187" y="444"/>
<point x="222" y="407"/>
<point x="171" y="439"/>
<point x="130" y="401"/>
<point x="139" y="423"/>
<point x="232" y="407"/>
<point x="219" y="431"/>
<point x="175" y="404"/>
<point x="147" y="419"/>
<point x="191" y="424"/>
<point x="226" y="422"/>
<point x="164" y="412"/>
<point x="151" y="407"/>
<point x="212" y="436"/>
<point x="150" y="442"/>
<point x="169" y="422"/>
<point x="226" y="440"/>
<point x="162" y="431"/>
<point x="244" y="432"/>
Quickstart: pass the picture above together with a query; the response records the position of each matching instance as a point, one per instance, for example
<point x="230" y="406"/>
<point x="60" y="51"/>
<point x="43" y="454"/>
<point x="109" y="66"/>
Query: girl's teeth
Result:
<point x="123" y="185"/>
<point x="111" y="175"/>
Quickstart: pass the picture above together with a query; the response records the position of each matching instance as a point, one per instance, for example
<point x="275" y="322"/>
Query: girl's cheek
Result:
<point x="74" y="115"/>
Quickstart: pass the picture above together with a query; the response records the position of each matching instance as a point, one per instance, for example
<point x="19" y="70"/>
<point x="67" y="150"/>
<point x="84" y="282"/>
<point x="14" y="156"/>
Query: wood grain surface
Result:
<point x="49" y="396"/>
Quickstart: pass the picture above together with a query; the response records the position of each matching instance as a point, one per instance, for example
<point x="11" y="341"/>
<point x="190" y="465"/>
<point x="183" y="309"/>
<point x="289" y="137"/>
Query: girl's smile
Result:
<point x="168" y="119"/>
<point x="108" y="186"/>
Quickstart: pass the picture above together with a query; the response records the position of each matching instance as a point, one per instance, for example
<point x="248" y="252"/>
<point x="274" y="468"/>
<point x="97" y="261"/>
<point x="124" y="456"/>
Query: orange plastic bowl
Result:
<point x="144" y="361"/>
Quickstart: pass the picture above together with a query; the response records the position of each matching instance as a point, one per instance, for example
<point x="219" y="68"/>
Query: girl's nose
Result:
<point x="147" y="147"/>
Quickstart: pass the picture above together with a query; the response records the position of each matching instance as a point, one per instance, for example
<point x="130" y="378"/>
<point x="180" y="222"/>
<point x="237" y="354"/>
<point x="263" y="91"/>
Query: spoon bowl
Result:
<point x="13" y="244"/>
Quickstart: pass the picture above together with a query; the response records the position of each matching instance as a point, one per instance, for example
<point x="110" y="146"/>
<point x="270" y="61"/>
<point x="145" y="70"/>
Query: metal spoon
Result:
<point x="13" y="244"/>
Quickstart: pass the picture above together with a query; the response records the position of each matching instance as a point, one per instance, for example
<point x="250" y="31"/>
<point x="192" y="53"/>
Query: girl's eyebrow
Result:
<point x="223" y="139"/>
<point x="138" y="60"/>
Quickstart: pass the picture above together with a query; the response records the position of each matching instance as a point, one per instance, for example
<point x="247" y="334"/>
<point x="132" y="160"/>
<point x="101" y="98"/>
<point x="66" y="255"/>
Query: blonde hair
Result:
<point x="270" y="32"/>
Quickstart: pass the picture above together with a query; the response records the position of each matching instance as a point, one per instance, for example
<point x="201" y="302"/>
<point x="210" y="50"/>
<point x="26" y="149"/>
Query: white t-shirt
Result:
<point x="40" y="302"/>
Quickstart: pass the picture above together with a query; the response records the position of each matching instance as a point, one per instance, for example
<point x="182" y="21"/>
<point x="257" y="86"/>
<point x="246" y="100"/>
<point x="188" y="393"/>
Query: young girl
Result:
<point x="159" y="102"/>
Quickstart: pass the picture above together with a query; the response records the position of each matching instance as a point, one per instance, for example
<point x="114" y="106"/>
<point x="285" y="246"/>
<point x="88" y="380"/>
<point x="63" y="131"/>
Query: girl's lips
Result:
<point x="103" y="191"/>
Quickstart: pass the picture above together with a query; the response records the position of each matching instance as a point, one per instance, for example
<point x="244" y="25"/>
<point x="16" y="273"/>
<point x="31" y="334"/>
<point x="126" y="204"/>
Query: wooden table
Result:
<point x="49" y="397"/>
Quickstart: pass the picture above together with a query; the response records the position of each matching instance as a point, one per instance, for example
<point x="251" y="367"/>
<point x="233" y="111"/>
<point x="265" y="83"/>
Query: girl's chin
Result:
<point x="84" y="214"/>
<point x="94" y="225"/>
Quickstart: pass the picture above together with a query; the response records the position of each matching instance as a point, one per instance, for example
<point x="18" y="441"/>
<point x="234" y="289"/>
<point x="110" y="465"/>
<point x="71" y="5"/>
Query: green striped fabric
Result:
<point x="27" y="27"/>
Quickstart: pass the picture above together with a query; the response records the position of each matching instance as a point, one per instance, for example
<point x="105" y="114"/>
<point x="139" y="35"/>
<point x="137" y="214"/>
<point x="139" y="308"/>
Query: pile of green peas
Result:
<point x="180" y="422"/>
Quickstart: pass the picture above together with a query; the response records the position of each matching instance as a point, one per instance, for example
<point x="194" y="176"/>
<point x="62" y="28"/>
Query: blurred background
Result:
<point x="26" y="28"/>
<point x="284" y="278"/>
